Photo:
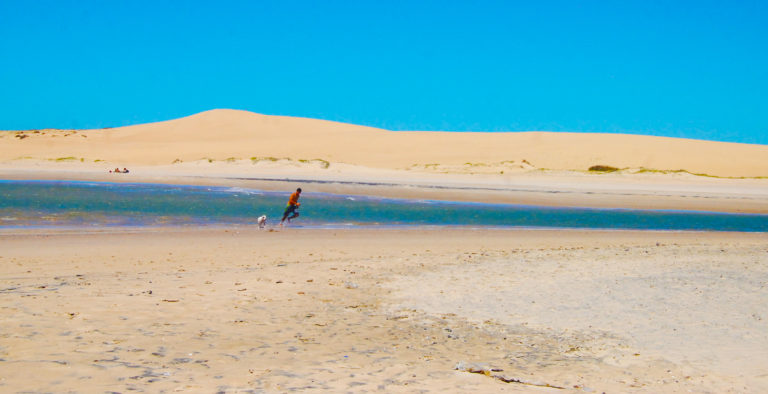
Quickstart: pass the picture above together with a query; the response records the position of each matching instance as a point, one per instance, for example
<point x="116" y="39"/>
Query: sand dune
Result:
<point x="242" y="135"/>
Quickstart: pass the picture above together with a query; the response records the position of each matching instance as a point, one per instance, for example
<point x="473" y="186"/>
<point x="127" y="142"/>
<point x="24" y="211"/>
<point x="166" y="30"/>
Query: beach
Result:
<point x="390" y="197"/>
<point x="237" y="309"/>
<point x="218" y="305"/>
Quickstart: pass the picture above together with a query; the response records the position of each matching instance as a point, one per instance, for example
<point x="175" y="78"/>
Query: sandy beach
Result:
<point x="239" y="309"/>
<point x="389" y="197"/>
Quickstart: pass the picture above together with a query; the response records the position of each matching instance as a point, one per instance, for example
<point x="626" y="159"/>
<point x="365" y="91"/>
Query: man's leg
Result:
<point x="285" y="215"/>
<point x="287" y="212"/>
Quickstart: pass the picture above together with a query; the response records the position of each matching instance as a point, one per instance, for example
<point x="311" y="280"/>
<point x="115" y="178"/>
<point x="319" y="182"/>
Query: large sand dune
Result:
<point x="242" y="135"/>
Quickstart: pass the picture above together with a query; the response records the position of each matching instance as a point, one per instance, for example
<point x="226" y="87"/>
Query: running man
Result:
<point x="292" y="207"/>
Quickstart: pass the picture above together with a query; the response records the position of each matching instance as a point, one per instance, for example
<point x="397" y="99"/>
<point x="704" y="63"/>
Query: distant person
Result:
<point x="292" y="207"/>
<point x="117" y="170"/>
<point x="125" y="170"/>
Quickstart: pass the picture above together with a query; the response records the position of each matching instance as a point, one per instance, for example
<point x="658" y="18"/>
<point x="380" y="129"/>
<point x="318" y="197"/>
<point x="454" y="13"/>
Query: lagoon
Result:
<point x="102" y="204"/>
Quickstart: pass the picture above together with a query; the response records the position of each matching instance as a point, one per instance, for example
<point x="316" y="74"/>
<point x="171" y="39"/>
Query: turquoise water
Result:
<point x="68" y="204"/>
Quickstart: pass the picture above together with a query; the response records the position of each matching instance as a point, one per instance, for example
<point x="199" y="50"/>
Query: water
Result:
<point x="88" y="204"/>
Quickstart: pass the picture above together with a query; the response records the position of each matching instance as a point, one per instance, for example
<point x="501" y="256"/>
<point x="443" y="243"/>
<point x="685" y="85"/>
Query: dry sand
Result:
<point x="391" y="311"/>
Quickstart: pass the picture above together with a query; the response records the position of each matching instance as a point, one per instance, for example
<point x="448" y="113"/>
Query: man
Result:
<point x="292" y="207"/>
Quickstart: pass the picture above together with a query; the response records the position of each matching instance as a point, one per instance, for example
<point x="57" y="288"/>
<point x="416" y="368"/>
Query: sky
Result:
<point x="691" y="69"/>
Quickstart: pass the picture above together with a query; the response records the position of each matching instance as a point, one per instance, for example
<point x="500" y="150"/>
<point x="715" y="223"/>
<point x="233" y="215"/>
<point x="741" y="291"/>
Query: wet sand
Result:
<point x="241" y="309"/>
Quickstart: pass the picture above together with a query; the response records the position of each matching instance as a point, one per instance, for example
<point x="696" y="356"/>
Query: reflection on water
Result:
<point x="51" y="203"/>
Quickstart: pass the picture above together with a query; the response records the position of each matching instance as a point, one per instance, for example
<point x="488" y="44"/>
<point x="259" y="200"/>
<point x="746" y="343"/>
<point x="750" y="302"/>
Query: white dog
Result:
<point x="262" y="220"/>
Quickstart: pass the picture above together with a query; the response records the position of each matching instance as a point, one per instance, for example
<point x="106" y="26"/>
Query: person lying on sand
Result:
<point x="292" y="207"/>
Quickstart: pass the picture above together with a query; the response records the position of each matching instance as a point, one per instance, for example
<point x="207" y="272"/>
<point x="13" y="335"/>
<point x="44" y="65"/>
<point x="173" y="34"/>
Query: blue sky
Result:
<point x="693" y="69"/>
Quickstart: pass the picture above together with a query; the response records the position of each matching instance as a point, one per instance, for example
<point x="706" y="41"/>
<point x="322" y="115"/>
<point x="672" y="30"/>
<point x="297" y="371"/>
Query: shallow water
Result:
<point x="87" y="204"/>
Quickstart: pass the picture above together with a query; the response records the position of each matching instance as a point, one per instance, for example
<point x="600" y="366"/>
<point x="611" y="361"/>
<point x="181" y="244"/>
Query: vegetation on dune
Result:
<point x="22" y="134"/>
<point x="475" y="167"/>
<point x="321" y="162"/>
<point x="643" y="170"/>
<point x="257" y="159"/>
<point x="602" y="168"/>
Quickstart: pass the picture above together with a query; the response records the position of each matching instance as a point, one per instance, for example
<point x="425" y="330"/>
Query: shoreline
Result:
<point x="236" y="227"/>
<point x="389" y="212"/>
<point x="417" y="229"/>
<point x="224" y="188"/>
<point x="660" y="192"/>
